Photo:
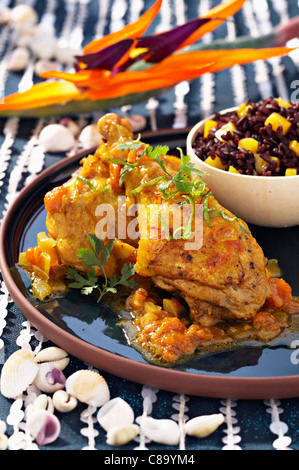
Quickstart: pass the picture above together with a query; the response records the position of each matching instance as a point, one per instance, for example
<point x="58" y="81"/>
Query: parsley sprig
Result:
<point x="98" y="256"/>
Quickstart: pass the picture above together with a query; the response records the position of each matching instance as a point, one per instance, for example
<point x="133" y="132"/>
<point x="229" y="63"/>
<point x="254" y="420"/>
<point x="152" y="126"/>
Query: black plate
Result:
<point x="89" y="331"/>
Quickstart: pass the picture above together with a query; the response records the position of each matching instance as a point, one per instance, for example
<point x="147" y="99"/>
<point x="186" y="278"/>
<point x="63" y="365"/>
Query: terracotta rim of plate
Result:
<point x="189" y="383"/>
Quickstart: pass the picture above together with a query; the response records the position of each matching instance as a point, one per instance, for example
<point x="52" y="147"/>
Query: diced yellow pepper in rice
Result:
<point x="243" y="110"/>
<point x="249" y="143"/>
<point x="283" y="103"/>
<point x="277" y="160"/>
<point x="277" y="120"/>
<point x="291" y="172"/>
<point x="215" y="162"/>
<point x="209" y="124"/>
<point x="228" y="127"/>
<point x="294" y="145"/>
<point x="232" y="169"/>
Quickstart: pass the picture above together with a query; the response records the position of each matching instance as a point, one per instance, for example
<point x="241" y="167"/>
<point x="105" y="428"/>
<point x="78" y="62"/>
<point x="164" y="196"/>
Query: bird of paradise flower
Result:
<point x="126" y="67"/>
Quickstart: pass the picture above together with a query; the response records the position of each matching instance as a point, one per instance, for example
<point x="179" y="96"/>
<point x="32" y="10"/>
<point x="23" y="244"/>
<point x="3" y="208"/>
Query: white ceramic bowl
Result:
<point x="269" y="201"/>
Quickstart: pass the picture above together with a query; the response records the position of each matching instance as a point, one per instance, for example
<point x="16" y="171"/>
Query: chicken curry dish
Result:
<point x="133" y="217"/>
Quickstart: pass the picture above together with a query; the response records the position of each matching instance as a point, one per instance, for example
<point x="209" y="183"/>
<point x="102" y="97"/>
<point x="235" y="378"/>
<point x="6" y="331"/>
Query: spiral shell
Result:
<point x="63" y="402"/>
<point x="88" y="387"/>
<point x="18" y="372"/>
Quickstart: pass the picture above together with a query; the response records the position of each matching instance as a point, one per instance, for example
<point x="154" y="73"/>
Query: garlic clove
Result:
<point x="63" y="402"/>
<point x="43" y="426"/>
<point x="56" y="138"/>
<point x="203" y="426"/>
<point x="120" y="435"/>
<point x="162" y="431"/>
<point x="19" y="59"/>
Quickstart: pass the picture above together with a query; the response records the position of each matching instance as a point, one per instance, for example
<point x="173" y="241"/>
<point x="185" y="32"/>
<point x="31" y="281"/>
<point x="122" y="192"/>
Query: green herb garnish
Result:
<point x="98" y="256"/>
<point x="86" y="181"/>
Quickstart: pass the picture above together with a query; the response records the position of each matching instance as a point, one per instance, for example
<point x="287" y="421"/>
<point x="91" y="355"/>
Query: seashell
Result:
<point x="138" y="121"/>
<point x="43" y="65"/>
<point x="43" y="47"/>
<point x="88" y="387"/>
<point x="203" y="426"/>
<point x="43" y="426"/>
<point x="57" y="356"/>
<point x="49" y="378"/>
<point x="3" y="442"/>
<point x="64" y="402"/>
<point x="56" y="138"/>
<point x="90" y="136"/>
<point x="18" y="372"/>
<point x="162" y="431"/>
<point x="5" y="15"/>
<point x="65" y="54"/>
<point x="23" y="16"/>
<point x="71" y="125"/>
<point x="115" y="412"/>
<point x="2" y="427"/>
<point x="43" y="402"/>
<point x="120" y="435"/>
<point x="19" y="59"/>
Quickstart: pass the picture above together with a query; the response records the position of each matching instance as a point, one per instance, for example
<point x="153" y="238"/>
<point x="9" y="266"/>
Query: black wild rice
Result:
<point x="270" y="143"/>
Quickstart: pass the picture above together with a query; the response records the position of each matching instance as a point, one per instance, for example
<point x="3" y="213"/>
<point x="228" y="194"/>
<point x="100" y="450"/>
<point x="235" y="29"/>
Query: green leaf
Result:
<point x="88" y="257"/>
<point x="96" y="243"/>
<point x="86" y="181"/>
<point x="106" y="253"/>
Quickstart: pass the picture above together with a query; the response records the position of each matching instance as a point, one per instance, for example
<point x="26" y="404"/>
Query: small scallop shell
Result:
<point x="56" y="356"/>
<point x="115" y="412"/>
<point x="18" y="372"/>
<point x="64" y="402"/>
<point x="56" y="138"/>
<point x="43" y="426"/>
<point x="24" y="16"/>
<point x="162" y="431"/>
<point x="122" y="434"/>
<point x="203" y="426"/>
<point x="88" y="387"/>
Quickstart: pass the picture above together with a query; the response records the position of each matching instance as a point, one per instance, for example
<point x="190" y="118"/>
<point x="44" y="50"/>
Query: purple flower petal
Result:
<point x="106" y="58"/>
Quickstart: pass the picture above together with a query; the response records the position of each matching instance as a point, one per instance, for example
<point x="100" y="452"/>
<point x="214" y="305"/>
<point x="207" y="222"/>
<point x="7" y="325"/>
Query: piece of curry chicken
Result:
<point x="224" y="278"/>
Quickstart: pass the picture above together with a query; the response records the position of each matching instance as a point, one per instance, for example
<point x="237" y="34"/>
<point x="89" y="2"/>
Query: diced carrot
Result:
<point x="53" y="199"/>
<point x="139" y="298"/>
<point x="114" y="170"/>
<point x="33" y="255"/>
<point x="281" y="296"/>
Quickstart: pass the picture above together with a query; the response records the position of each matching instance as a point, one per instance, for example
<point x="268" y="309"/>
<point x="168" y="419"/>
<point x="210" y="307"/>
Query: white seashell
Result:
<point x="56" y="138"/>
<point x="43" y="402"/>
<point x="90" y="136"/>
<point x="43" y="426"/>
<point x="65" y="54"/>
<point x="57" y="356"/>
<point x="115" y="412"/>
<point x="5" y="15"/>
<point x="88" y="387"/>
<point x="19" y="59"/>
<point x="43" y="47"/>
<point x="2" y="427"/>
<point x="162" y="431"/>
<point x="138" y="121"/>
<point x="49" y="378"/>
<point x="70" y="125"/>
<point x="43" y="65"/>
<point x="3" y="442"/>
<point x="24" y="16"/>
<point x="203" y="426"/>
<point x="45" y="29"/>
<point x="120" y="435"/>
<point x="18" y="372"/>
<point x="64" y="402"/>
